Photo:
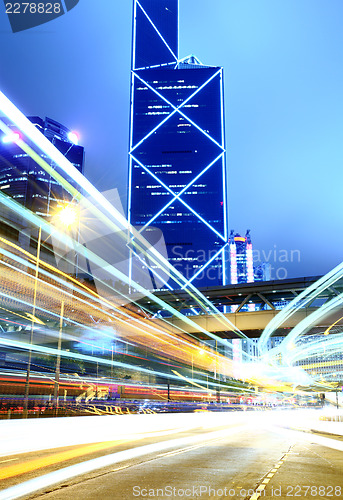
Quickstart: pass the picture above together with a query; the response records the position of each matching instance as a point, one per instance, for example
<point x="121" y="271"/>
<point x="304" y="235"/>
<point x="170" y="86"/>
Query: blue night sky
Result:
<point x="284" y="106"/>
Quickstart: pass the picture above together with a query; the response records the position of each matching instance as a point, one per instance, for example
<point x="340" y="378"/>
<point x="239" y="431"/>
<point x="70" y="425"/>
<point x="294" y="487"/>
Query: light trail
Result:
<point x="32" y="218"/>
<point x="118" y="315"/>
<point x="176" y="344"/>
<point x="327" y="331"/>
<point x="40" y="463"/>
<point x="154" y="256"/>
<point x="298" y="347"/>
<point x="95" y="359"/>
<point x="56" y="477"/>
<point x="303" y="299"/>
<point x="190" y="381"/>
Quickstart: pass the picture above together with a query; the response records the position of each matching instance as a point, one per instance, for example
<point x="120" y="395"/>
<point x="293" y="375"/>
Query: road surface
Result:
<point x="248" y="461"/>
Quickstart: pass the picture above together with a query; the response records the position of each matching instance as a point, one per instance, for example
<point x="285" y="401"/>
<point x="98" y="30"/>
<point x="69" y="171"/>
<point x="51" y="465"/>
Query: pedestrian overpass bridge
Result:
<point x="249" y="306"/>
<point x="252" y="323"/>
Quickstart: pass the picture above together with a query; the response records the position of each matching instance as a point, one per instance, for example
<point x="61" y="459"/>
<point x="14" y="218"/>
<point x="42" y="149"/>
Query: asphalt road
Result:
<point x="232" y="462"/>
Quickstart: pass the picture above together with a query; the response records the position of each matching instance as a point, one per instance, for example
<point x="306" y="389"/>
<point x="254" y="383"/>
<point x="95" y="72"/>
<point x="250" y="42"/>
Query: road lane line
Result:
<point x="19" y="469"/>
<point x="185" y="450"/>
<point x="121" y="468"/>
<point x="61" y="475"/>
<point x="261" y="487"/>
<point x="38" y="463"/>
<point x="8" y="460"/>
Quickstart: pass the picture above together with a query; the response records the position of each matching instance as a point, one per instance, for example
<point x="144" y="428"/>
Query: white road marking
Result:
<point x="8" y="460"/>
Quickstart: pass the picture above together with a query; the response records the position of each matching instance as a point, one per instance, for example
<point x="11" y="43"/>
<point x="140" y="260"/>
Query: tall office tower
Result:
<point x="22" y="179"/>
<point x="177" y="177"/>
<point x="28" y="183"/>
<point x="241" y="258"/>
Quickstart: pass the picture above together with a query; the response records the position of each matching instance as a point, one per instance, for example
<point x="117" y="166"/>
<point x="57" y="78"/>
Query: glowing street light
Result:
<point x="13" y="137"/>
<point x="74" y="137"/>
<point x="67" y="215"/>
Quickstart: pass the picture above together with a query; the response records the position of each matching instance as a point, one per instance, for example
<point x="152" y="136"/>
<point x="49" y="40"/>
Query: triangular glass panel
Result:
<point x="164" y="15"/>
<point x="205" y="109"/>
<point x="150" y="50"/>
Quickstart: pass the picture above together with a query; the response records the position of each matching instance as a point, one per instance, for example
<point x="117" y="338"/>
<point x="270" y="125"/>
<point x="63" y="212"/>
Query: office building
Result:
<point x="177" y="177"/>
<point x="26" y="182"/>
<point x="241" y="258"/>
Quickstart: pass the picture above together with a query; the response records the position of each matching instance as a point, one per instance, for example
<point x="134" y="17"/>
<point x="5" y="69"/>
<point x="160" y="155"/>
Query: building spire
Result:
<point x="155" y="33"/>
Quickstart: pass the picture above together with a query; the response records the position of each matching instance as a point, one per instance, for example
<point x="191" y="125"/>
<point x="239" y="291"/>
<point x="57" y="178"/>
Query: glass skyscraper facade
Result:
<point x="29" y="184"/>
<point x="177" y="178"/>
<point x="241" y="258"/>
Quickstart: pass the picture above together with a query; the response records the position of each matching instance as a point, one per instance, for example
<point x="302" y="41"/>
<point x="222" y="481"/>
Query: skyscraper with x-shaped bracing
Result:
<point x="177" y="177"/>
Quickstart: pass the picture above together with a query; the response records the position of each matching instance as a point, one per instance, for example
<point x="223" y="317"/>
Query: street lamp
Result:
<point x="28" y="370"/>
<point x="58" y="361"/>
<point x="73" y="137"/>
<point x="67" y="219"/>
<point x="67" y="216"/>
<point x="12" y="137"/>
<point x="201" y="352"/>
